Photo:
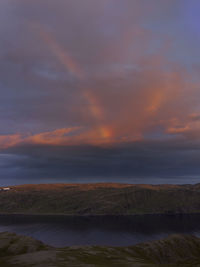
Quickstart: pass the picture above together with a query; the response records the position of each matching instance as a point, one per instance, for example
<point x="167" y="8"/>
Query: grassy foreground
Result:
<point x="22" y="251"/>
<point x="100" y="199"/>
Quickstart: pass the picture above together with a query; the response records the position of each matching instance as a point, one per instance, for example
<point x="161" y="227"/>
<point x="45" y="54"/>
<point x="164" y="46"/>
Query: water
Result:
<point x="63" y="231"/>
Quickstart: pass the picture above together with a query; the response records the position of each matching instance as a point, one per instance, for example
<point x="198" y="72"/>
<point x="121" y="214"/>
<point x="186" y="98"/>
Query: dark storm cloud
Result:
<point x="134" y="160"/>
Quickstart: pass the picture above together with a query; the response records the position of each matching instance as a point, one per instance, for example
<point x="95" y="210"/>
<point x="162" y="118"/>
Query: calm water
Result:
<point x="106" y="230"/>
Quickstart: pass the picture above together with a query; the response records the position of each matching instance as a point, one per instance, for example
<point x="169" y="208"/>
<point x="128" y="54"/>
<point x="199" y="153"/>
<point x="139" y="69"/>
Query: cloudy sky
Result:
<point x="99" y="91"/>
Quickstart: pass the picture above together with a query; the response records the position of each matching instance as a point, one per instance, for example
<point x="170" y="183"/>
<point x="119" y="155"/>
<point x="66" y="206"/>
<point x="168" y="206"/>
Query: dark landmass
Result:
<point x="22" y="251"/>
<point x="100" y="199"/>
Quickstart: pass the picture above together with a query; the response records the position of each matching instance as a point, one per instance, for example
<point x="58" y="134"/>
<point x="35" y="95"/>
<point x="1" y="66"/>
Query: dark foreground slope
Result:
<point x="176" y="250"/>
<point x="100" y="199"/>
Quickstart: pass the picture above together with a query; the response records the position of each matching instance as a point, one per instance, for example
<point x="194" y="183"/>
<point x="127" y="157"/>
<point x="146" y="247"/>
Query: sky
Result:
<point x="99" y="91"/>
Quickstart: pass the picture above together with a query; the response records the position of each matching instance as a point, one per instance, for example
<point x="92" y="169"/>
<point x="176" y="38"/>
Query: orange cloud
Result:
<point x="71" y="65"/>
<point x="96" y="111"/>
<point x="10" y="140"/>
<point x="187" y="128"/>
<point x="128" y="104"/>
<point x="156" y="101"/>
<point x="57" y="137"/>
<point x="93" y="105"/>
<point x="62" y="54"/>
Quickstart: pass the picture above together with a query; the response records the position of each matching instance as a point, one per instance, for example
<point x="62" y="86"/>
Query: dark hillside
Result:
<point x="100" y="199"/>
<point x="176" y="250"/>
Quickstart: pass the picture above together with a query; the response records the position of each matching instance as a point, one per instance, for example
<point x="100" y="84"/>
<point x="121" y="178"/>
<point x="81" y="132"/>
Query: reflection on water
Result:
<point x="99" y="230"/>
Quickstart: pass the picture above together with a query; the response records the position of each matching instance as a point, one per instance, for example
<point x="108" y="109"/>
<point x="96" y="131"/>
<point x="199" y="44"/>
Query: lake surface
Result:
<point x="63" y="231"/>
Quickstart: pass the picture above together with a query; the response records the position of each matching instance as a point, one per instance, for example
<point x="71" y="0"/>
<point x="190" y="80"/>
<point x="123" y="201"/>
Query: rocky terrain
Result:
<point x="100" y="199"/>
<point x="176" y="250"/>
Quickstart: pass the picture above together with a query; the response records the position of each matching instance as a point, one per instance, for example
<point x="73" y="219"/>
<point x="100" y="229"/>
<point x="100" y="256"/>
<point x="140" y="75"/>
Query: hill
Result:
<point x="100" y="199"/>
<point x="176" y="250"/>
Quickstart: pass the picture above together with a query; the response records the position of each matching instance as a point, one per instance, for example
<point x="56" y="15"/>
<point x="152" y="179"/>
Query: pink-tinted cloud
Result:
<point x="10" y="140"/>
<point x="123" y="86"/>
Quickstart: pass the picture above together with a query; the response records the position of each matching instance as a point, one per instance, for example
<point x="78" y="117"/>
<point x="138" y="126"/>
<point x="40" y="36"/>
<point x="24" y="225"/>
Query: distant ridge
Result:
<point x="88" y="186"/>
<point x="100" y="199"/>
